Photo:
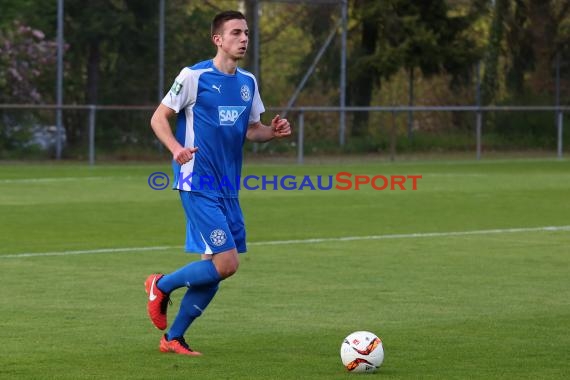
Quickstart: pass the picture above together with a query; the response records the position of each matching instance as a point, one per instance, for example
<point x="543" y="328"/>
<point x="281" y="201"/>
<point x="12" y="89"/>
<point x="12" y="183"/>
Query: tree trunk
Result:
<point x="543" y="29"/>
<point x="490" y="78"/>
<point x="93" y="61"/>
<point x="520" y="43"/>
<point x="253" y="22"/>
<point x="363" y="83"/>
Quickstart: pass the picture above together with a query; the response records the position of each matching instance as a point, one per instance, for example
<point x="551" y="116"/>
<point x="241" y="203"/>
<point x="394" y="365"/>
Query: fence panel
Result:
<point x="93" y="132"/>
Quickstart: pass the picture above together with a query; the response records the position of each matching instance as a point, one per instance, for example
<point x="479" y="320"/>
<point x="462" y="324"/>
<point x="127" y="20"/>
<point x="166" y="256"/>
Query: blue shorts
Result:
<point x="213" y="224"/>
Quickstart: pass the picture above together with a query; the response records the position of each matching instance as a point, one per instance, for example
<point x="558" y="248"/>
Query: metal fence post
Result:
<point x="393" y="137"/>
<point x="344" y="31"/>
<point x="160" y="89"/>
<point x="560" y="130"/>
<point x="59" y="81"/>
<point x="479" y="115"/>
<point x="300" y="138"/>
<point x="92" y="109"/>
<point x="479" y="127"/>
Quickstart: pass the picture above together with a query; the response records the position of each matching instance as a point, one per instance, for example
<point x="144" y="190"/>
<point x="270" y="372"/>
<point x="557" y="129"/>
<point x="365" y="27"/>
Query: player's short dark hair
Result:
<point x="222" y="17"/>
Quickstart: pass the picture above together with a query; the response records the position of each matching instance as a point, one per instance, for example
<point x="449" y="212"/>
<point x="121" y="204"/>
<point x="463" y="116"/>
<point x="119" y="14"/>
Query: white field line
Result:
<point x="303" y="241"/>
<point x="54" y="179"/>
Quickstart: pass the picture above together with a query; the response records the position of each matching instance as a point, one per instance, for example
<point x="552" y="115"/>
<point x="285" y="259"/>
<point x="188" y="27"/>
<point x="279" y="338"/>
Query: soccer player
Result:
<point x="218" y="106"/>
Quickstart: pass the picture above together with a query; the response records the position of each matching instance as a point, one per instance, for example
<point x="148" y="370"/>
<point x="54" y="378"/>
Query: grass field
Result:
<point x="461" y="278"/>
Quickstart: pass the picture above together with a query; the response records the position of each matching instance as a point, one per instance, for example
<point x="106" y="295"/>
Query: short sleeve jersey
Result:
<point x="214" y="110"/>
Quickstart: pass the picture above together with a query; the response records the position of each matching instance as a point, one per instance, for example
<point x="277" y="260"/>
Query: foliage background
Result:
<point x="438" y="45"/>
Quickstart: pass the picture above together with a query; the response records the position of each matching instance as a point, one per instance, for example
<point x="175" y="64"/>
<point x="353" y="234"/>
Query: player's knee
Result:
<point x="228" y="268"/>
<point x="226" y="263"/>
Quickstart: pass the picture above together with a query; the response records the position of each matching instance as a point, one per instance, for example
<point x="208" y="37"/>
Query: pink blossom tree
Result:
<point x="26" y="59"/>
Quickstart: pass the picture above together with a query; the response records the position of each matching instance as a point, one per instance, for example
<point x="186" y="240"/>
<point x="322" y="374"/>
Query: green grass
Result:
<point x="492" y="305"/>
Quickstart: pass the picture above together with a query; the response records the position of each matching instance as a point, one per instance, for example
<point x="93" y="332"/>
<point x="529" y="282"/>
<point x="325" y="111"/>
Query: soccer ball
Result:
<point x="362" y="351"/>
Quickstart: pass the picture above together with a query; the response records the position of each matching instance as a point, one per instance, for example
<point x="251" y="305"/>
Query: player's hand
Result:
<point x="281" y="127"/>
<point x="184" y="155"/>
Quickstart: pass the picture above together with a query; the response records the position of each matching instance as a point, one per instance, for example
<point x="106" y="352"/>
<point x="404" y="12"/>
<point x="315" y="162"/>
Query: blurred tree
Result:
<point x="521" y="57"/>
<point x="40" y="15"/>
<point x="104" y="35"/>
<point x="112" y="55"/>
<point x="108" y="57"/>
<point x="318" y="21"/>
<point x="187" y="35"/>
<point x="365" y="71"/>
<point x="398" y="34"/>
<point x="251" y="6"/>
<point x="25" y="58"/>
<point x="494" y="50"/>
<point x="528" y="34"/>
<point x="546" y="20"/>
<point x="286" y="46"/>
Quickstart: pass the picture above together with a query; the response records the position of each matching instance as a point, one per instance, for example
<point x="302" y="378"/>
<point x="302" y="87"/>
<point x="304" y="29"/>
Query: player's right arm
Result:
<point x="161" y="126"/>
<point x="181" y="94"/>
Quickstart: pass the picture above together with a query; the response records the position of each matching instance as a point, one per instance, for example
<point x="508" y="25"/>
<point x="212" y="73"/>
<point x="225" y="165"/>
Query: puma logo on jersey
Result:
<point x="219" y="88"/>
<point x="229" y="114"/>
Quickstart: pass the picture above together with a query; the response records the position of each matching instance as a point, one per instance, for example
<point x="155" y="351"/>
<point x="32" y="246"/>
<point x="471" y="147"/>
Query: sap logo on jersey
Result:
<point x="229" y="114"/>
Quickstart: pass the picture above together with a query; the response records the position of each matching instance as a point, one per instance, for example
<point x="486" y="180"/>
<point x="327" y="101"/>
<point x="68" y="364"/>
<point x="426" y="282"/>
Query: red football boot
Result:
<point x="157" y="301"/>
<point x="177" y="346"/>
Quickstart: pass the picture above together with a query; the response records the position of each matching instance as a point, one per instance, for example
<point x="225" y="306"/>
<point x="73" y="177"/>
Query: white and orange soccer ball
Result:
<point x="362" y="351"/>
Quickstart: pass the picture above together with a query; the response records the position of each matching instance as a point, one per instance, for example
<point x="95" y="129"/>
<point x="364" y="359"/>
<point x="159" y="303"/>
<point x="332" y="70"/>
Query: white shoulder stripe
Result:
<point x="197" y="71"/>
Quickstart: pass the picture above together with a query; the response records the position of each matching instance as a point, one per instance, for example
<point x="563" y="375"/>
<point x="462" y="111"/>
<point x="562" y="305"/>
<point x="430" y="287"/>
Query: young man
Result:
<point x="218" y="107"/>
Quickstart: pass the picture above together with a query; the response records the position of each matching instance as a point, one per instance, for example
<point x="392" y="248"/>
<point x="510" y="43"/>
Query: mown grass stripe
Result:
<point x="304" y="241"/>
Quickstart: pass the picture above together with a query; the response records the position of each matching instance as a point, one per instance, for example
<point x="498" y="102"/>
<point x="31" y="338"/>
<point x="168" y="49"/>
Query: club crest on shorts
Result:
<point x="245" y="93"/>
<point x="218" y="237"/>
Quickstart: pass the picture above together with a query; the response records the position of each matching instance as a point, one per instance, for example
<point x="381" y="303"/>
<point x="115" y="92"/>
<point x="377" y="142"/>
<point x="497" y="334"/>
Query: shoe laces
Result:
<point x="183" y="343"/>
<point x="164" y="303"/>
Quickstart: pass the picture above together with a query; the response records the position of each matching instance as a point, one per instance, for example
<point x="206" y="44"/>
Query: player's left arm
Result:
<point x="279" y="128"/>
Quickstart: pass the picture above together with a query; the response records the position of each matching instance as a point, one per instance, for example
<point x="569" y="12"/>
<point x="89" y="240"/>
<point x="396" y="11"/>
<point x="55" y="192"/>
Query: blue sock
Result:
<point x="192" y="306"/>
<point x="197" y="273"/>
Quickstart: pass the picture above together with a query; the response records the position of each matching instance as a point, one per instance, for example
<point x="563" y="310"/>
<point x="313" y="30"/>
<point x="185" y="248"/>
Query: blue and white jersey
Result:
<point x="214" y="110"/>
